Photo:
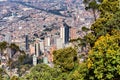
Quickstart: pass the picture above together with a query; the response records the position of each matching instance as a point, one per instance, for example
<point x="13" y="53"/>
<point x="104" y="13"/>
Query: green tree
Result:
<point x="23" y="68"/>
<point x="102" y="26"/>
<point x="43" y="72"/>
<point x="109" y="6"/>
<point x="3" y="46"/>
<point x="91" y="4"/>
<point x="66" y="59"/>
<point x="9" y="64"/>
<point x="109" y="18"/>
<point x="21" y="58"/>
<point x="3" y="74"/>
<point x="104" y="59"/>
<point x="106" y="24"/>
<point x="14" y="78"/>
<point x="114" y="22"/>
<point x="79" y="73"/>
<point x="15" y="48"/>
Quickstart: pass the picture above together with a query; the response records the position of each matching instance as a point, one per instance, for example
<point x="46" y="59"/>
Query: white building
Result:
<point x="37" y="47"/>
<point x="47" y="41"/>
<point x="62" y="33"/>
<point x="42" y="47"/>
<point x="59" y="43"/>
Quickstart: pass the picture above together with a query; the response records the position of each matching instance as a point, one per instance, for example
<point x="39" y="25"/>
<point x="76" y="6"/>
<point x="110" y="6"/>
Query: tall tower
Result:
<point x="64" y="33"/>
<point x="37" y="49"/>
<point x="26" y="42"/>
<point x="42" y="47"/>
<point x="47" y="41"/>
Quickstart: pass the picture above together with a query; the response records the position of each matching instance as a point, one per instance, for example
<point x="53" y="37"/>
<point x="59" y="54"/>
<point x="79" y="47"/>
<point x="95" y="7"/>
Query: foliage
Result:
<point x="114" y="22"/>
<point x="1" y="74"/>
<point x="79" y="73"/>
<point x="43" y="72"/>
<point x="106" y="24"/>
<point x="65" y="59"/>
<point x="13" y="46"/>
<point x="11" y="63"/>
<point x="3" y="46"/>
<point x="104" y="59"/>
<point x="89" y="38"/>
<point x="14" y="78"/>
<point x="93" y="5"/>
<point x="102" y="26"/>
<point x="109" y="6"/>
<point x="84" y="29"/>
<point x="23" y="68"/>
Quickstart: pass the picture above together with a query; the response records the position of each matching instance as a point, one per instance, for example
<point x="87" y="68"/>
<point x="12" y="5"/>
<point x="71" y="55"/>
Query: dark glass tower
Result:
<point x="26" y="42"/>
<point x="66" y="27"/>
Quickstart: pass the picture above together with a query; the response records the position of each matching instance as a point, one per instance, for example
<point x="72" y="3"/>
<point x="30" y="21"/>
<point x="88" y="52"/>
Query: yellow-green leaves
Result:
<point x="66" y="59"/>
<point x="104" y="58"/>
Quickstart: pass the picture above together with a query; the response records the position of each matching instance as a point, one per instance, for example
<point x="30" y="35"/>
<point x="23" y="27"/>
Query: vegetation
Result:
<point x="43" y="72"/>
<point x="10" y="62"/>
<point x="65" y="59"/>
<point x="93" y="5"/>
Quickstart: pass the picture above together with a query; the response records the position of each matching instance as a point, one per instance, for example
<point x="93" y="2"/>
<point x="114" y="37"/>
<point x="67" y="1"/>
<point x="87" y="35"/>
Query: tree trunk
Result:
<point x="94" y="14"/>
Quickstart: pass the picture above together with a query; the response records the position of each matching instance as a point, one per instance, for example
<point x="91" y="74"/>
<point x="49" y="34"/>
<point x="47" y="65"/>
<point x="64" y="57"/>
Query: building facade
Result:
<point x="64" y="33"/>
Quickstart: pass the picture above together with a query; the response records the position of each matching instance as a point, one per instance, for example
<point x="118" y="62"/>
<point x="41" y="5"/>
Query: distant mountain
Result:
<point x="2" y="0"/>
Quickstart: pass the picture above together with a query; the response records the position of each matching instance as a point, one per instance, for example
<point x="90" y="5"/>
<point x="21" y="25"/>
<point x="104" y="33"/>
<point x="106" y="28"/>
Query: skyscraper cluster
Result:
<point x="44" y="48"/>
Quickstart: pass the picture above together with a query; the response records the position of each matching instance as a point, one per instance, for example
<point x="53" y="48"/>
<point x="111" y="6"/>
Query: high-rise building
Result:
<point x="64" y="33"/>
<point x="47" y="41"/>
<point x="42" y="47"/>
<point x="8" y="37"/>
<point x="37" y="49"/>
<point x="26" y="42"/>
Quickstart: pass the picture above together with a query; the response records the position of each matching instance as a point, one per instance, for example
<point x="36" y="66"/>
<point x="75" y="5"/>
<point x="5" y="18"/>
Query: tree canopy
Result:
<point x="65" y="59"/>
<point x="43" y="72"/>
<point x="104" y="59"/>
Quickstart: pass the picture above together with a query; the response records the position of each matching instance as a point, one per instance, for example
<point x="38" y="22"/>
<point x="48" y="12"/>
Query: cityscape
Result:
<point x="58" y="34"/>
